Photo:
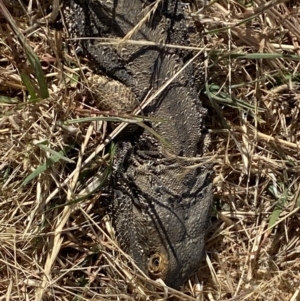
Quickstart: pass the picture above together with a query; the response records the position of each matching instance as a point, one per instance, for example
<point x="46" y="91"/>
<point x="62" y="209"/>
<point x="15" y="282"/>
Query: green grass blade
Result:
<point x="278" y="209"/>
<point x="102" y="181"/>
<point x="30" y="88"/>
<point x="55" y="153"/>
<point x="32" y="57"/>
<point x="8" y="100"/>
<point x="43" y="167"/>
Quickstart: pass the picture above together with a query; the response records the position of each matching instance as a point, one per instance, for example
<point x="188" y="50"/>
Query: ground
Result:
<point x="56" y="241"/>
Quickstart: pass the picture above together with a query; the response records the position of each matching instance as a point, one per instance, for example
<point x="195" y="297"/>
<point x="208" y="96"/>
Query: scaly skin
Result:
<point x="161" y="207"/>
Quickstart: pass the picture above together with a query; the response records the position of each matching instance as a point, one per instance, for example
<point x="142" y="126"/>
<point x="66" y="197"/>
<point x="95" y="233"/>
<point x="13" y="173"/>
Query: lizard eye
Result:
<point x="155" y="261"/>
<point x="157" y="265"/>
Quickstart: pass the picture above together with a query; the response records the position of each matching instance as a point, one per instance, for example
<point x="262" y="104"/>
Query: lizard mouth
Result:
<point x="157" y="265"/>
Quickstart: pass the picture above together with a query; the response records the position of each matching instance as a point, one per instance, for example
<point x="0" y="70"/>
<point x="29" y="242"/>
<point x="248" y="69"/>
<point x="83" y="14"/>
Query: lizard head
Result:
<point x="173" y="265"/>
<point x="172" y="255"/>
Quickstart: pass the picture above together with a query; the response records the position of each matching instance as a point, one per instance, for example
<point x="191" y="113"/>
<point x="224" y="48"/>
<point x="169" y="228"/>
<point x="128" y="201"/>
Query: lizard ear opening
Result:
<point x="157" y="265"/>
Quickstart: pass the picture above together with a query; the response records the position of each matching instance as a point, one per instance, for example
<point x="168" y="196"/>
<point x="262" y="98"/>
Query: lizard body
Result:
<point x="161" y="205"/>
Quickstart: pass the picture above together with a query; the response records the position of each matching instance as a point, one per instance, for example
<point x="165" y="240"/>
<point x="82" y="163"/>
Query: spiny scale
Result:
<point x="111" y="95"/>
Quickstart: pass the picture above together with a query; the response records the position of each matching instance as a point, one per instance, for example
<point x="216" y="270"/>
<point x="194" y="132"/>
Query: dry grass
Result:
<point x="56" y="243"/>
